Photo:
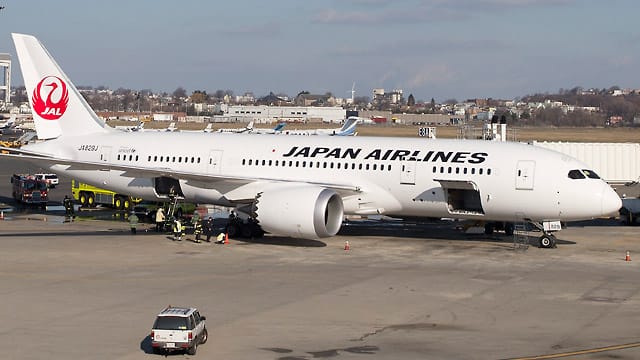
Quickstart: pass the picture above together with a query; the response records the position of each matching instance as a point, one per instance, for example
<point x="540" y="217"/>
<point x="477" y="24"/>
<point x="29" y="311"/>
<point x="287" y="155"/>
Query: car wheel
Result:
<point x="205" y="336"/>
<point x="192" y="350"/>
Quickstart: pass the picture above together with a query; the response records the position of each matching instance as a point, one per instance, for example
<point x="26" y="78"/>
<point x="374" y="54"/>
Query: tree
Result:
<point x="179" y="93"/>
<point x="199" y="97"/>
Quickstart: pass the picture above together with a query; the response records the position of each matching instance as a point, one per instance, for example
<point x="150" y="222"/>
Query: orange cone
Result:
<point x="628" y="257"/>
<point x="346" y="246"/>
<point x="226" y="238"/>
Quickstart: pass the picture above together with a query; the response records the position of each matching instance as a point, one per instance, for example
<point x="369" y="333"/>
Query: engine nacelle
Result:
<point x="299" y="210"/>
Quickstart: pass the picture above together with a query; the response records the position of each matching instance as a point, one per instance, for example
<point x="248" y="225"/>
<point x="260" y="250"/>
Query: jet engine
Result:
<point x="299" y="210"/>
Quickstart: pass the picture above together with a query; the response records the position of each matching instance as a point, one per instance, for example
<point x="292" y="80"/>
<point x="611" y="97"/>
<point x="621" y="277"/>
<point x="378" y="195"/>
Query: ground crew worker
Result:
<point x="197" y="227"/>
<point x="133" y="222"/>
<point x="208" y="228"/>
<point x="220" y="238"/>
<point x="160" y="219"/>
<point x="68" y="206"/>
<point x="177" y="229"/>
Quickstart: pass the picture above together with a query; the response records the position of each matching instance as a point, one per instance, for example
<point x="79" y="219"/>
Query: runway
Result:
<point x="89" y="289"/>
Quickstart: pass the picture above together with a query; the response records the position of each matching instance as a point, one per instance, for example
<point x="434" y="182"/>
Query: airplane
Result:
<point x="303" y="187"/>
<point x="10" y="123"/>
<point x="139" y="127"/>
<point x="347" y="129"/>
<point x="275" y="130"/>
<point x="246" y="129"/>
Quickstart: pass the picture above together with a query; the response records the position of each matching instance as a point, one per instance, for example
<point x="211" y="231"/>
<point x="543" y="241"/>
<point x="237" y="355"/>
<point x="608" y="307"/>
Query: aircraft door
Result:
<point x="408" y="173"/>
<point x="525" y="174"/>
<point x="214" y="162"/>
<point x="105" y="153"/>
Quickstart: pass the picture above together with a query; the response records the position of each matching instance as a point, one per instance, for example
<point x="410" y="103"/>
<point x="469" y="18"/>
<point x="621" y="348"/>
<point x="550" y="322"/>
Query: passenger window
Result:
<point x="576" y="174"/>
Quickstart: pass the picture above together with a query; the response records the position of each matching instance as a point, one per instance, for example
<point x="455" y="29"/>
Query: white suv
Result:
<point x="178" y="328"/>
<point x="51" y="179"/>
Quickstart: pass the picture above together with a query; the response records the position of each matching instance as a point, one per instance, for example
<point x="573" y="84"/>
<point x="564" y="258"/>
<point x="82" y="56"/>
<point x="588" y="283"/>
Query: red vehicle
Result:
<point x="29" y="190"/>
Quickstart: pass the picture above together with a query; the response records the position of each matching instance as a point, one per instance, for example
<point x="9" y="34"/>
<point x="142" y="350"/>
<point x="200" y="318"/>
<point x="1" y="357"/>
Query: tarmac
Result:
<point x="90" y="289"/>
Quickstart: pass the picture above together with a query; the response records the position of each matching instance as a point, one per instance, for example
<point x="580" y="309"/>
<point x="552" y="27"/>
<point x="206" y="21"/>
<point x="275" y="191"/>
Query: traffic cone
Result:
<point x="226" y="238"/>
<point x="346" y="246"/>
<point x="628" y="257"/>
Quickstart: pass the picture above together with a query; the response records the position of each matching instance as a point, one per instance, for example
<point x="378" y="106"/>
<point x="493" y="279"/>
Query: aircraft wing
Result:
<point x="221" y="182"/>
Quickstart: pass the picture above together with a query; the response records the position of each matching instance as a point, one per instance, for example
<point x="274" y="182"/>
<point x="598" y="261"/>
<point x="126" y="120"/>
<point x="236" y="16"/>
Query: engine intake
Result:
<point x="299" y="210"/>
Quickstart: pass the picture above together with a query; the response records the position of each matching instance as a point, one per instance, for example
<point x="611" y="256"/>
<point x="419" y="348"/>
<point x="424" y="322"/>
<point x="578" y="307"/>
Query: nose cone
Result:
<point x="611" y="202"/>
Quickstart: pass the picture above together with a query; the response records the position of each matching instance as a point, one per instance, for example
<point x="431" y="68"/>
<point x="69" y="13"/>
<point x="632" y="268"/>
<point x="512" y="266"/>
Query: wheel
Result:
<point x="117" y="203"/>
<point x="192" y="350"/>
<point x="232" y="230"/>
<point x="547" y="241"/>
<point x="257" y="232"/>
<point x="488" y="228"/>
<point x="245" y="230"/>
<point x="508" y="229"/>
<point x="84" y="199"/>
<point x="205" y="336"/>
<point x="126" y="204"/>
<point x="91" y="201"/>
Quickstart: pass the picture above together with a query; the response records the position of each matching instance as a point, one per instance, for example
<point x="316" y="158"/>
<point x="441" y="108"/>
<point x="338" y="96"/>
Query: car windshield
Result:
<point x="170" y="323"/>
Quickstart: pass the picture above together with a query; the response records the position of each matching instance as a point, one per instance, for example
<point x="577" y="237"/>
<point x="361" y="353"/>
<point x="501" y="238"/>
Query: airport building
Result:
<point x="273" y="114"/>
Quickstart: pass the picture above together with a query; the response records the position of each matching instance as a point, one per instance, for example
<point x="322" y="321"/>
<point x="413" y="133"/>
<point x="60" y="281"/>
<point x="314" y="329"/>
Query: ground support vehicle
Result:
<point x="29" y="190"/>
<point x="51" y="179"/>
<point x="630" y="210"/>
<point x="90" y="196"/>
<point x="178" y="328"/>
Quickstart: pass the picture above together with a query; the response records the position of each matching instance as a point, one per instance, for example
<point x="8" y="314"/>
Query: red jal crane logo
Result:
<point x="56" y="97"/>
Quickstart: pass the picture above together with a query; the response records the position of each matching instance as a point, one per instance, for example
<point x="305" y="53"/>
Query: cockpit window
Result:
<point x="576" y="174"/>
<point x="590" y="174"/>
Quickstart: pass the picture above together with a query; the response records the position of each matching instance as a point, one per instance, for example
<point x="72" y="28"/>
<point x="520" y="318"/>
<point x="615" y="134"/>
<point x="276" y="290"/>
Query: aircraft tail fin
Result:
<point x="349" y="127"/>
<point x="279" y="127"/>
<point x="58" y="108"/>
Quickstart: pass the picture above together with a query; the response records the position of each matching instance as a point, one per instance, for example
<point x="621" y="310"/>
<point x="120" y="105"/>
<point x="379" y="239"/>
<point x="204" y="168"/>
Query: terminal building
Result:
<point x="273" y="114"/>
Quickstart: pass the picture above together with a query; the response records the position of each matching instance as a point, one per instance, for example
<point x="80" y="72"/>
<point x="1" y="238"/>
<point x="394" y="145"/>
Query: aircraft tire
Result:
<point x="547" y="241"/>
<point x="508" y="228"/>
<point x="245" y="230"/>
<point x="488" y="228"/>
<point x="232" y="230"/>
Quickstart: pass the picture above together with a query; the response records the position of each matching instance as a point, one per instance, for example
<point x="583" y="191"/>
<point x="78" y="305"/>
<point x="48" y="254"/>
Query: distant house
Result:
<point x="304" y="99"/>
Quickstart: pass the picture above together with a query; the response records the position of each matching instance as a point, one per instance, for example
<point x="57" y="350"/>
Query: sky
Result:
<point x="441" y="49"/>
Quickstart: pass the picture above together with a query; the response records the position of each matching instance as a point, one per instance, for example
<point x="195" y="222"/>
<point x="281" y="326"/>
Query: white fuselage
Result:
<point x="393" y="176"/>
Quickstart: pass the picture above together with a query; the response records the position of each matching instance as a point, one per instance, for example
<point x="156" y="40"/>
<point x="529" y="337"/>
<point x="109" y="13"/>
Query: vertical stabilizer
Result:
<point x="58" y="108"/>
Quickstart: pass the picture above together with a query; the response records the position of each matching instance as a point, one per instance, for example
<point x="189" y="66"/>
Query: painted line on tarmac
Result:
<point x="579" y="352"/>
